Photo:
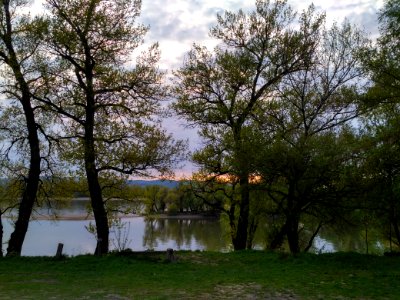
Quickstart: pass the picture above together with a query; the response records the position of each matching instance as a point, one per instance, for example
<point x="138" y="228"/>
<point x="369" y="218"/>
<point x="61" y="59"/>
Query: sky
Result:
<point x="177" y="24"/>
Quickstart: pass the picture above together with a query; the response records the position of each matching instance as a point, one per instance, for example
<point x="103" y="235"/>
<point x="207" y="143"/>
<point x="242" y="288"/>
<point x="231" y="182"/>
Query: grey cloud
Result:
<point x="213" y="11"/>
<point x="366" y="20"/>
<point x="353" y="5"/>
<point x="164" y="25"/>
<point x="362" y="14"/>
<point x="173" y="29"/>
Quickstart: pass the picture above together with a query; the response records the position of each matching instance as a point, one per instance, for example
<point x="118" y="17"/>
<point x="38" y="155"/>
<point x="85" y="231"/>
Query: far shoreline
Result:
<point x="90" y="217"/>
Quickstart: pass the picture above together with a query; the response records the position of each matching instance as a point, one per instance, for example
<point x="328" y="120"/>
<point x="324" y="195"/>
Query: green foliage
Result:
<point x="380" y="164"/>
<point x="383" y="61"/>
<point x="222" y="91"/>
<point x="119" y="102"/>
<point x="106" y="105"/>
<point x="155" y="199"/>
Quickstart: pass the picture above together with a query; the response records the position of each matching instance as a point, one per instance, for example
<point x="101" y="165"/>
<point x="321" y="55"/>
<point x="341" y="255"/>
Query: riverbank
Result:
<point x="202" y="275"/>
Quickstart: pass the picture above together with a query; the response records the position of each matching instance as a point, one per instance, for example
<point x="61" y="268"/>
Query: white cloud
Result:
<point x="177" y="24"/>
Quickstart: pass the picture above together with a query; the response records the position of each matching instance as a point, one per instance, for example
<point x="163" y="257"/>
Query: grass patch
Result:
<point x="202" y="275"/>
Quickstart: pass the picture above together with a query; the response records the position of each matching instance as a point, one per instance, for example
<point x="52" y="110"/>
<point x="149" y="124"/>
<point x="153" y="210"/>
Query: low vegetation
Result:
<point x="202" y="275"/>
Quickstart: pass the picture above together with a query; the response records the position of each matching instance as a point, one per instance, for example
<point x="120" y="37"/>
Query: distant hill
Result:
<point x="167" y="183"/>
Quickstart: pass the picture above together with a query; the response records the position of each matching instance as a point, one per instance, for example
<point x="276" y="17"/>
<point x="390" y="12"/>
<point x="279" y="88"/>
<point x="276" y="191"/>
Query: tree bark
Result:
<point x="1" y="234"/>
<point x="310" y="242"/>
<point x="278" y="238"/>
<point x="292" y="233"/>
<point x="96" y="197"/>
<point x="95" y="191"/>
<point x="31" y="182"/>
<point x="99" y="211"/>
<point x="240" y="241"/>
<point x="292" y="219"/>
<point x="396" y="230"/>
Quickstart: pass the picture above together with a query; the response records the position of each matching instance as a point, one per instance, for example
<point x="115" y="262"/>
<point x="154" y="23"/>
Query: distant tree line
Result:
<point x="299" y="120"/>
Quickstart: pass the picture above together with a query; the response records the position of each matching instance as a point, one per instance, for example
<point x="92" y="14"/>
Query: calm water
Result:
<point x="44" y="235"/>
<point x="141" y="234"/>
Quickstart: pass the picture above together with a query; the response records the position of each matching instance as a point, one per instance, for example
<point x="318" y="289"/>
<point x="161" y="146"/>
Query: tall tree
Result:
<point x="308" y="145"/>
<point x="105" y="104"/>
<point x="219" y="92"/>
<point x="381" y="165"/>
<point x="17" y="48"/>
<point x="381" y="168"/>
<point x="383" y="62"/>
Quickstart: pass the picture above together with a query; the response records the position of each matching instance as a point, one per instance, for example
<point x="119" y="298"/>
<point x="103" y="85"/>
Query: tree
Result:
<point x="382" y="62"/>
<point x="308" y="144"/>
<point x="381" y="165"/>
<point x="17" y="49"/>
<point x="155" y="198"/>
<point x="105" y="106"/>
<point x="219" y="92"/>
<point x="182" y="198"/>
<point x="381" y="169"/>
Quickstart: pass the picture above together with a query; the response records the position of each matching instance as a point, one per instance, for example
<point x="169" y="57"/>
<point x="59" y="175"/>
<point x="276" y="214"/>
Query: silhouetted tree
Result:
<point x="105" y="108"/>
<point x="220" y="91"/>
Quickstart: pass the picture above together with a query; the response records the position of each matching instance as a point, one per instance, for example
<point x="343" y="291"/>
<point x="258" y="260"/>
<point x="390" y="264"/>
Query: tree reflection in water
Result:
<point x="188" y="233"/>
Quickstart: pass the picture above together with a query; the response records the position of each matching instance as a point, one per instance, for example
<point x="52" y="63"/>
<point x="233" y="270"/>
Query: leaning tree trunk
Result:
<point x="96" y="197"/>
<point x="32" y="181"/>
<point x="99" y="211"/>
<point x="396" y="228"/>
<point x="30" y="188"/>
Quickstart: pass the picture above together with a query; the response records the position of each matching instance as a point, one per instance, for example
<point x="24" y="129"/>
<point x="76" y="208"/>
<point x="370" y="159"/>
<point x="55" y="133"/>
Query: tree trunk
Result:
<point x="95" y="191"/>
<point x="292" y="233"/>
<point x="292" y="219"/>
<point x="1" y="234"/>
<point x="26" y="204"/>
<point x="311" y="240"/>
<point x="99" y="211"/>
<point x="396" y="230"/>
<point x="277" y="238"/>
<point x="240" y="241"/>
<point x="251" y="232"/>
<point x="232" y="223"/>
<point x="96" y="197"/>
<point x="32" y="181"/>
<point x="31" y="184"/>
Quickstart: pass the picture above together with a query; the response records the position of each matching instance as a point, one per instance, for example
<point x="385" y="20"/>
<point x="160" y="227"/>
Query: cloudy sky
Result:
<point x="177" y="24"/>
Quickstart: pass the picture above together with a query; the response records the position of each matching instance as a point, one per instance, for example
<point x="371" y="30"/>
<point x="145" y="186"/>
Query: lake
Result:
<point x="44" y="235"/>
<point x="139" y="234"/>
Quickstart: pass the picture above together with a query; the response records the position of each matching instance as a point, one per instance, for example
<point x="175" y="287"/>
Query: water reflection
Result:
<point x="354" y="239"/>
<point x="159" y="234"/>
<point x="201" y="234"/>
<point x="144" y="234"/>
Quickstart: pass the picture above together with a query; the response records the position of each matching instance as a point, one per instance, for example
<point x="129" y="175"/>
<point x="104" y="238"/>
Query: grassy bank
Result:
<point x="202" y="275"/>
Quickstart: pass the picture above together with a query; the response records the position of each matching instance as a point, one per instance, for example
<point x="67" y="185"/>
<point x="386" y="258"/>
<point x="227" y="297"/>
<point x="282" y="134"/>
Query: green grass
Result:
<point x="202" y="275"/>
